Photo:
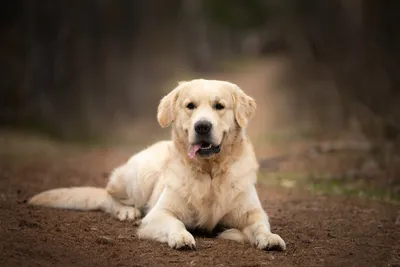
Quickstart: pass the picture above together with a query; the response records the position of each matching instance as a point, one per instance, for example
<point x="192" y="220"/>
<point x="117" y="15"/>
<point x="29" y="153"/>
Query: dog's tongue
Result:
<point x="192" y="150"/>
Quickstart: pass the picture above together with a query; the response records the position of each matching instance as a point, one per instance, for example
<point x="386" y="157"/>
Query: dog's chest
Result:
<point x="211" y="199"/>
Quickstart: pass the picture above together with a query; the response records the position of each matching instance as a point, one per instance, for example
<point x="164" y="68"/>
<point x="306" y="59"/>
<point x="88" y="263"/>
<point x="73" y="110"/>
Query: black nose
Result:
<point x="202" y="127"/>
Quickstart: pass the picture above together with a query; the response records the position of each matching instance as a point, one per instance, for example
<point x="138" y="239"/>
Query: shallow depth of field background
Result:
<point x="90" y="69"/>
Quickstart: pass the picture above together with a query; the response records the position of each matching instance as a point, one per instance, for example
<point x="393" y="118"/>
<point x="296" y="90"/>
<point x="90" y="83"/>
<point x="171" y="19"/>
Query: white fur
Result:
<point x="179" y="193"/>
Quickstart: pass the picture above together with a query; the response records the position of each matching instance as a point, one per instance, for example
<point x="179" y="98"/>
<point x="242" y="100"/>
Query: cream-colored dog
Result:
<point x="205" y="176"/>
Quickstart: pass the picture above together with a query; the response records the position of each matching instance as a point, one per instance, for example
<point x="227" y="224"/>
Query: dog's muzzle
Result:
<point x="203" y="146"/>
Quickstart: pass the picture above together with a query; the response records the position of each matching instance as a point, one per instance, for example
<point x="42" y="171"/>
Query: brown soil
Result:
<point x="319" y="230"/>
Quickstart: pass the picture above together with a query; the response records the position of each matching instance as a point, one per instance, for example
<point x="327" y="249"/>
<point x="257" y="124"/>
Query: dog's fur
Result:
<point x="177" y="192"/>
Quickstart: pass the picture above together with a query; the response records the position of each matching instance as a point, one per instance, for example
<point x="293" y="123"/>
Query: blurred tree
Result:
<point x="239" y="14"/>
<point x="69" y="67"/>
<point x="357" y="42"/>
<point x="72" y="67"/>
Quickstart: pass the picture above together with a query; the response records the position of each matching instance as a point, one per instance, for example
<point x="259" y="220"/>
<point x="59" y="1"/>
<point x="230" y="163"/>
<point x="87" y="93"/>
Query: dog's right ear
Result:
<point x="166" y="108"/>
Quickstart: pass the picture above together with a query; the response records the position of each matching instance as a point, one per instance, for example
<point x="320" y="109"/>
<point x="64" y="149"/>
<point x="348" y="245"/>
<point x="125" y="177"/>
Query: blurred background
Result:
<point x="325" y="74"/>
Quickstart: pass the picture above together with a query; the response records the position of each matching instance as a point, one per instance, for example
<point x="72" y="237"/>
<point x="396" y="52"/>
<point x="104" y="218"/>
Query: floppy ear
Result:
<point x="166" y="108"/>
<point x="244" y="107"/>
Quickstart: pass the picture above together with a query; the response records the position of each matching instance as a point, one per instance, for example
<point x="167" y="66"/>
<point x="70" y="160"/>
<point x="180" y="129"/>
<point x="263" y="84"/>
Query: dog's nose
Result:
<point x="202" y="127"/>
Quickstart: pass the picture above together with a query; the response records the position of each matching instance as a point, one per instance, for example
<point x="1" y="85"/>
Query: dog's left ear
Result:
<point x="244" y="107"/>
<point x="166" y="108"/>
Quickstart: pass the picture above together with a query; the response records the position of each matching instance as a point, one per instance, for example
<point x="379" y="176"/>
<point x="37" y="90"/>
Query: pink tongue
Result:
<point x="192" y="151"/>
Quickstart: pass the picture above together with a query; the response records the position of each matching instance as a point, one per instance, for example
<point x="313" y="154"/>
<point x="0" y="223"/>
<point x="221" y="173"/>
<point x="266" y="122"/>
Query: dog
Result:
<point x="205" y="176"/>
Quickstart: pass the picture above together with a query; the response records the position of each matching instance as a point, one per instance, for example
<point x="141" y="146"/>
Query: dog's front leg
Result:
<point x="163" y="225"/>
<point x="259" y="233"/>
<point x="249" y="217"/>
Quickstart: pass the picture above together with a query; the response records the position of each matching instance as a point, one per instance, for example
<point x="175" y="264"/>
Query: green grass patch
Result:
<point x="328" y="184"/>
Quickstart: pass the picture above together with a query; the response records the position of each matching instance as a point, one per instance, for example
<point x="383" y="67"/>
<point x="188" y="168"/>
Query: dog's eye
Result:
<point x="191" y="106"/>
<point x="218" y="106"/>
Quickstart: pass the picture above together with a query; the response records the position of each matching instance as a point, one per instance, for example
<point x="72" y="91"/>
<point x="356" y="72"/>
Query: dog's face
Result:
<point x="204" y="112"/>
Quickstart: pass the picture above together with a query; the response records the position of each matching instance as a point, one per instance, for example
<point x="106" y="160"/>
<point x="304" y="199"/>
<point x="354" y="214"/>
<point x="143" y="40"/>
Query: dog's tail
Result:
<point x="77" y="198"/>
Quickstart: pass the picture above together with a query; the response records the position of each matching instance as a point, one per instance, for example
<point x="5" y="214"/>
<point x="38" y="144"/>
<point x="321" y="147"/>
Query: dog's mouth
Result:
<point x="203" y="149"/>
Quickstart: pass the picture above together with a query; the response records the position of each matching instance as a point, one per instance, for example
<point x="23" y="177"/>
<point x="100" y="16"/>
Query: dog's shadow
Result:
<point x="207" y="234"/>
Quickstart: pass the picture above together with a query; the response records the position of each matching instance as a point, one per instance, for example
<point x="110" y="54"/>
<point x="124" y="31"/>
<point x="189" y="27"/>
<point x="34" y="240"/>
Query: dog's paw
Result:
<point x="124" y="213"/>
<point x="182" y="240"/>
<point x="269" y="241"/>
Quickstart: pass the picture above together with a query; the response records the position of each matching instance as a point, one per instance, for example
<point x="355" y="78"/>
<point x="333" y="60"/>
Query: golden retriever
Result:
<point x="204" y="177"/>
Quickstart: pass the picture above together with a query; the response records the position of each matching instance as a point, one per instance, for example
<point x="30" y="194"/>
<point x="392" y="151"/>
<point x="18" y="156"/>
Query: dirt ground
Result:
<point x="319" y="230"/>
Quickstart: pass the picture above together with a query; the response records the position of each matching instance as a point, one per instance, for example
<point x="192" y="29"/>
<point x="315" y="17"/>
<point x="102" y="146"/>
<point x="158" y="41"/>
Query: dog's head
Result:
<point x="204" y="112"/>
